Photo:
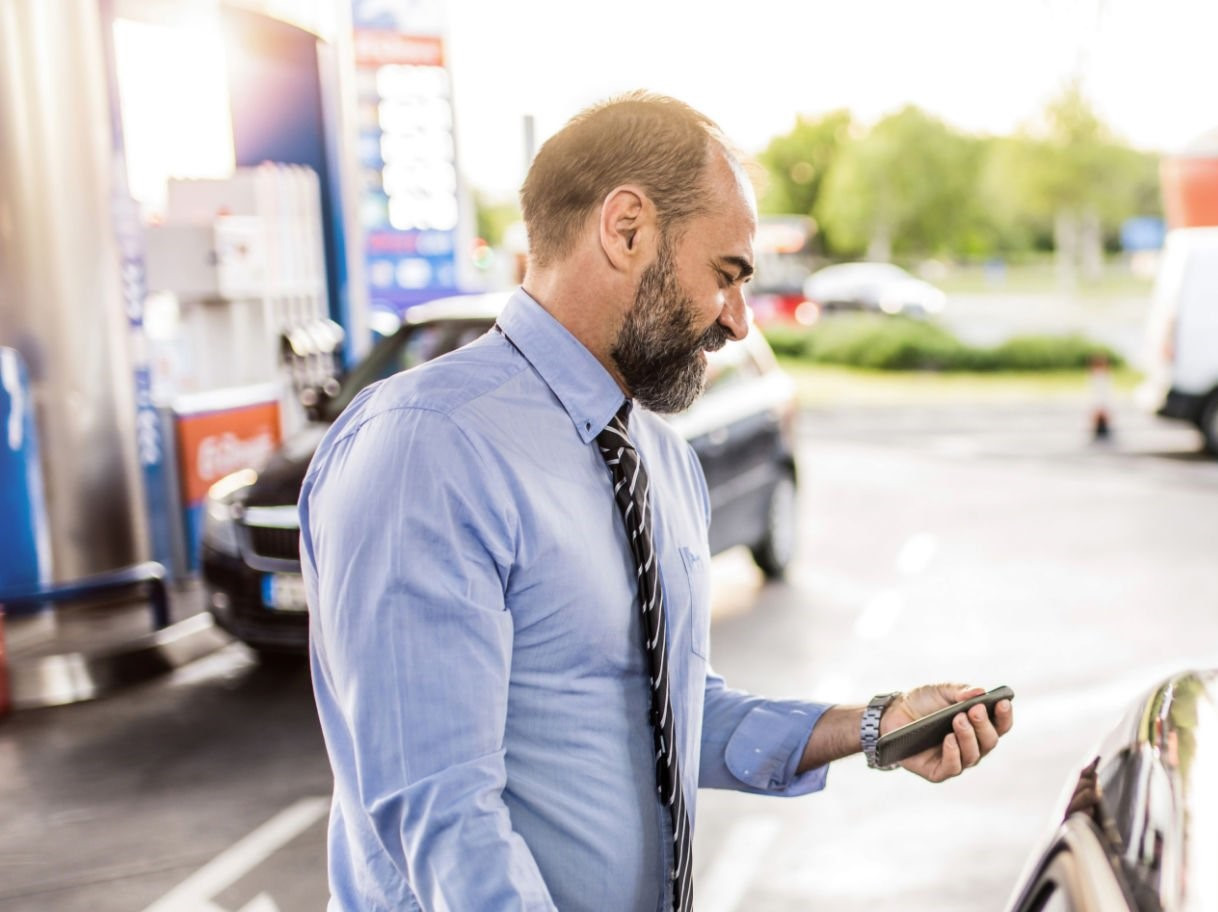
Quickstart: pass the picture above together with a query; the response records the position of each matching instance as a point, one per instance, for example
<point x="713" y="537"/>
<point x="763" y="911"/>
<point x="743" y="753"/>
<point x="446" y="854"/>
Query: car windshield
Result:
<point x="411" y="345"/>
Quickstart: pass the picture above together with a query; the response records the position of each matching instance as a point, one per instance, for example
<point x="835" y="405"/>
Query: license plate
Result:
<point x="284" y="592"/>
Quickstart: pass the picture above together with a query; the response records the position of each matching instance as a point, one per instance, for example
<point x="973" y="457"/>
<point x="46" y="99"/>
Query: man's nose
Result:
<point x="734" y="316"/>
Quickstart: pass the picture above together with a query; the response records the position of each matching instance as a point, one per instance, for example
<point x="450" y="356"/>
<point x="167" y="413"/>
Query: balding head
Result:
<point x="654" y="142"/>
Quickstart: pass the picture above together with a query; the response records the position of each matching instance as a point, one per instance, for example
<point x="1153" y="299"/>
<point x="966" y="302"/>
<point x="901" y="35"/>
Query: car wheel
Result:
<point x="777" y="547"/>
<point x="1209" y="423"/>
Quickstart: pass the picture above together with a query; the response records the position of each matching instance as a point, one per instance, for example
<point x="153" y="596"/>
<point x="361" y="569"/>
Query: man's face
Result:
<point x="659" y="349"/>
<point x="689" y="300"/>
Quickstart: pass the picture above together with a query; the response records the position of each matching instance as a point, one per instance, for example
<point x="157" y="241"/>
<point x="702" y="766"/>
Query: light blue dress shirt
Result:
<point x="476" y="648"/>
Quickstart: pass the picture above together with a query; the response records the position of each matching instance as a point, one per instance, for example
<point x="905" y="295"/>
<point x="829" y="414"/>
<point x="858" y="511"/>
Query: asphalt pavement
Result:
<point x="978" y="543"/>
<point x="974" y="542"/>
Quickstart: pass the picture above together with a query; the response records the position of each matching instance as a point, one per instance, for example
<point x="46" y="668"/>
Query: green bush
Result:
<point x="899" y="343"/>
<point x="1052" y="353"/>
<point x="883" y="343"/>
<point x="791" y="341"/>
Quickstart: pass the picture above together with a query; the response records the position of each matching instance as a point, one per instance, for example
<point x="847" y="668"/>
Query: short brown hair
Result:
<point x="652" y="140"/>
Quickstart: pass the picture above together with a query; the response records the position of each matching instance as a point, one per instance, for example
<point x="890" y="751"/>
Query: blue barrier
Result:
<point x="25" y="553"/>
<point x="149" y="576"/>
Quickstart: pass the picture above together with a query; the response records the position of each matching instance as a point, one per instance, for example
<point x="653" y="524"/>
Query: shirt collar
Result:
<point x="586" y="390"/>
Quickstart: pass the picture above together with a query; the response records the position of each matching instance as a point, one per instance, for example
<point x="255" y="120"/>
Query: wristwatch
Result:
<point x="870" y="730"/>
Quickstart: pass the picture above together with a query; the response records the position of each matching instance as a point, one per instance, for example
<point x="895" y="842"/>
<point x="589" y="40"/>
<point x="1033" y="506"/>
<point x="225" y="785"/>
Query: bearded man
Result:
<point x="505" y="552"/>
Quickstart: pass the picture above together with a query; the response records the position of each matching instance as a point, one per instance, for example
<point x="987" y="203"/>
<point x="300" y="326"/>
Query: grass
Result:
<point x="823" y="385"/>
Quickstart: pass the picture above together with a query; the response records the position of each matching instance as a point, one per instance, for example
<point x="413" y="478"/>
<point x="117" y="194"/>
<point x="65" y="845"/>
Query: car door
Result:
<point x="1077" y="873"/>
<point x="736" y="430"/>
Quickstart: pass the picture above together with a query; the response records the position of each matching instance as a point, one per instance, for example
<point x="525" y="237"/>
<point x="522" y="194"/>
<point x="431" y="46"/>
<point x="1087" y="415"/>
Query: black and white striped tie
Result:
<point x="630" y="490"/>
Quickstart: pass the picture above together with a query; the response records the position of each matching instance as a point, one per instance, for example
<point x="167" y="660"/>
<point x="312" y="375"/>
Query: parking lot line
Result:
<point x="260" y="903"/>
<point x="879" y="615"/>
<point x="917" y="553"/>
<point x="194" y="894"/>
<point x="732" y="870"/>
<point x="882" y="611"/>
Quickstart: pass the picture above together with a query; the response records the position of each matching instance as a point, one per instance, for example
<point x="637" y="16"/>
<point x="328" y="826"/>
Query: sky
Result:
<point x="1148" y="66"/>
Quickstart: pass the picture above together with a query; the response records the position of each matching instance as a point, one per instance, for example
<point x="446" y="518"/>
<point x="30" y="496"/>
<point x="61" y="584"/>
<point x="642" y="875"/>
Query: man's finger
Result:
<point x="987" y="734"/>
<point x="1004" y="716"/>
<point x="966" y="738"/>
<point x="949" y="759"/>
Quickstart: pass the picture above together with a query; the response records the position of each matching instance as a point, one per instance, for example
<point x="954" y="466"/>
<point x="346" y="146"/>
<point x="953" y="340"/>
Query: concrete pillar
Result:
<point x="60" y="286"/>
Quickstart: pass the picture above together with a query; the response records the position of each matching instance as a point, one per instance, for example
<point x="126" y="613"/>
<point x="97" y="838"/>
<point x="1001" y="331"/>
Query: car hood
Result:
<point x="279" y="480"/>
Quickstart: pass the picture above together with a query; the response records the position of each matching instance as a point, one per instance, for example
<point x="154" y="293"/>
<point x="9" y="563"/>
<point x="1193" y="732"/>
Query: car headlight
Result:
<point x="220" y="511"/>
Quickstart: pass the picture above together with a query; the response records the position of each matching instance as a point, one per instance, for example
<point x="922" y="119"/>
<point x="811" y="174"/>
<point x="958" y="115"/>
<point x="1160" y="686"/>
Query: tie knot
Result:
<point x="616" y="433"/>
<point x="623" y="415"/>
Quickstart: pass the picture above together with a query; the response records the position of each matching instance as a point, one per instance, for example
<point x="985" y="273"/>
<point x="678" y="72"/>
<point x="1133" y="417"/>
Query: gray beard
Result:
<point x="658" y="350"/>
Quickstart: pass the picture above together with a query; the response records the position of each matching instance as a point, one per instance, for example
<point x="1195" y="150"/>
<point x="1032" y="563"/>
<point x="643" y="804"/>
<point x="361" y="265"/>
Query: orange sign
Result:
<point x="214" y="444"/>
<point x="379" y="48"/>
<point x="1190" y="191"/>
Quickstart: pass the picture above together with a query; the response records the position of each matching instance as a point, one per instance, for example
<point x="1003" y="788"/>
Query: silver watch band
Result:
<point x="869" y="733"/>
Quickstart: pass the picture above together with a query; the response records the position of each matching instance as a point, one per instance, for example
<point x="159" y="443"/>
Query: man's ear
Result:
<point x="627" y="228"/>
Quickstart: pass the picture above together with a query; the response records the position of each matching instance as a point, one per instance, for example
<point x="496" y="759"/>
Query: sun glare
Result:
<point x="176" y="118"/>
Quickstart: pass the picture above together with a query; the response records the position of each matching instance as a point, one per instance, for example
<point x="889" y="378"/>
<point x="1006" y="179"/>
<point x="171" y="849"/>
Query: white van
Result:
<point x="1182" y="333"/>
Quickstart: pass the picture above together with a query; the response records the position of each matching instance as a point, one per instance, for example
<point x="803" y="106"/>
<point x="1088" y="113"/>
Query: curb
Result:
<point x="72" y="677"/>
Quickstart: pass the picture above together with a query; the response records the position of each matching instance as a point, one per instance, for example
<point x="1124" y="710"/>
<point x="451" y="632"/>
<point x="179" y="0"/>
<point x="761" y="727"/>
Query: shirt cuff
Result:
<point x="766" y="747"/>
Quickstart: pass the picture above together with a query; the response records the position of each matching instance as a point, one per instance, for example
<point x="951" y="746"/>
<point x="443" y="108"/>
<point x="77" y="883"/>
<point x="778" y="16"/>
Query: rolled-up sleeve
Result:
<point x="406" y="540"/>
<point x="751" y="744"/>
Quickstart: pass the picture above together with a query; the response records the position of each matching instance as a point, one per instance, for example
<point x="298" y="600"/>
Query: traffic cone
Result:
<point x="1101" y="389"/>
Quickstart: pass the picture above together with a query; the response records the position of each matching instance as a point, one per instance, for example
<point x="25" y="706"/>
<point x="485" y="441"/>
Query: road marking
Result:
<point x="917" y="553"/>
<point x="734" y="868"/>
<point x="227" y="662"/>
<point x="260" y="903"/>
<point x="882" y="610"/>
<point x="879" y="615"/>
<point x="956" y="447"/>
<point x="194" y="894"/>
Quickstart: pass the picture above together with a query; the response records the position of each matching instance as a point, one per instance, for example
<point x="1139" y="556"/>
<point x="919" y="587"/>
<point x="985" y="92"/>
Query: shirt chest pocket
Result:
<point x="696" y="573"/>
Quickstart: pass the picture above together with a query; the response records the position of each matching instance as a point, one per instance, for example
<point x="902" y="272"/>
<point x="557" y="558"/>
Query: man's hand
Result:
<point x="973" y="734"/>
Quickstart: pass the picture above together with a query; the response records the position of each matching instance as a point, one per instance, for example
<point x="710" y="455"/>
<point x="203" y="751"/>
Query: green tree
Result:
<point x="796" y="162"/>
<point x="494" y="217"/>
<point x="908" y="186"/>
<point x="1066" y="175"/>
<point x="1020" y="225"/>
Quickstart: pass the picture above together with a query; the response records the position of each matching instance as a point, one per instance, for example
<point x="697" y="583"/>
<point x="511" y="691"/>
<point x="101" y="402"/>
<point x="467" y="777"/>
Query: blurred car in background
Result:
<point x="783" y="257"/>
<point x="881" y="287"/>
<point x="742" y="429"/>
<point x="1140" y="830"/>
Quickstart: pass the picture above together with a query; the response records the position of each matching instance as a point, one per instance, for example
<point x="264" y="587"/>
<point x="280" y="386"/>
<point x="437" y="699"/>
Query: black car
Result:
<point x="741" y="429"/>
<point x="1138" y="831"/>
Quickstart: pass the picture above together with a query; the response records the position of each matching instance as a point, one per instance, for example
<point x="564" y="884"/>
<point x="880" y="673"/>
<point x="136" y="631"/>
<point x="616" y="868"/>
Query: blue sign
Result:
<point x="419" y="17"/>
<point x="1142" y="233"/>
<point x="409" y="206"/>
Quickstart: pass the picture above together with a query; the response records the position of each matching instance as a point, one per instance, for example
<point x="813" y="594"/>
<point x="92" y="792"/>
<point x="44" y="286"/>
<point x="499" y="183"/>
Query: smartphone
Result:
<point x="929" y="731"/>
